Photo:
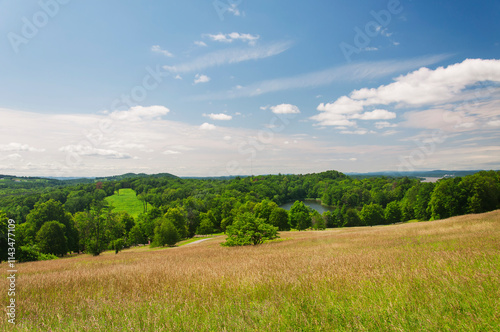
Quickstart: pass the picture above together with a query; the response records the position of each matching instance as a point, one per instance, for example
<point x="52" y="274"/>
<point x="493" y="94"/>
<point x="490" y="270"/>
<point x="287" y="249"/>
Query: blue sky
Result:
<point x="91" y="88"/>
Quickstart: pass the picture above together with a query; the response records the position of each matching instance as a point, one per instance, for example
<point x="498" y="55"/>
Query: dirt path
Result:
<point x="198" y="241"/>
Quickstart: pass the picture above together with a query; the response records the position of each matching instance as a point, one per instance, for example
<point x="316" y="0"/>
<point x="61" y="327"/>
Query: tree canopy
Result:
<point x="249" y="229"/>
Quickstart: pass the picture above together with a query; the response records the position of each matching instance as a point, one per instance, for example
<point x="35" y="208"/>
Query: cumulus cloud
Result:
<point x="139" y="113"/>
<point x="285" y="109"/>
<point x="230" y="37"/>
<point x="207" y="126"/>
<point x="426" y="86"/>
<point x="442" y="88"/>
<point x="219" y="116"/>
<point x="199" y="78"/>
<point x="376" y="115"/>
<point x="157" y="49"/>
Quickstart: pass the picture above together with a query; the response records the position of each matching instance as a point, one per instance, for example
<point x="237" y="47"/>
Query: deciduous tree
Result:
<point x="248" y="229"/>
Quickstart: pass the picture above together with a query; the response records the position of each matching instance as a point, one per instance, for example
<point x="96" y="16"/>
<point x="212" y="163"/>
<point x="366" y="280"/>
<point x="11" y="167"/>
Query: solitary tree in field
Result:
<point x="248" y="229"/>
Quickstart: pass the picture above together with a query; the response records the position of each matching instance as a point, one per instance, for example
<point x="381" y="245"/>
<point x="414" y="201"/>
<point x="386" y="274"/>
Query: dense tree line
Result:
<point x="56" y="220"/>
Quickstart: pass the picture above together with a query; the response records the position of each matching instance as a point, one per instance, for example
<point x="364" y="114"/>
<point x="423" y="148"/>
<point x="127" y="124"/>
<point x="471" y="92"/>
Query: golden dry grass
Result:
<point x="441" y="275"/>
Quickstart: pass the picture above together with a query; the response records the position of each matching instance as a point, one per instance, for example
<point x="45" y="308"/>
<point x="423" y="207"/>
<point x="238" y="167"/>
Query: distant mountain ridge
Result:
<point x="418" y="174"/>
<point x="73" y="180"/>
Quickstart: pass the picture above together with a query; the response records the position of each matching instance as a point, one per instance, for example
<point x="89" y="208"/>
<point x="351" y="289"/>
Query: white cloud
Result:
<point x="376" y="115"/>
<point x="230" y="37"/>
<point x="230" y="56"/>
<point x="440" y="87"/>
<point x="201" y="79"/>
<point x="89" y="150"/>
<point x="157" y="49"/>
<point x="140" y="113"/>
<point x="494" y="123"/>
<point x="200" y="43"/>
<point x="425" y="86"/>
<point x="285" y="109"/>
<point x="219" y="116"/>
<point x="207" y="126"/>
<point x="18" y="147"/>
<point x="178" y="77"/>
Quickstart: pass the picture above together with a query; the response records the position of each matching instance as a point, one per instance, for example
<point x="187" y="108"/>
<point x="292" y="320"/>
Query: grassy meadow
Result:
<point x="428" y="276"/>
<point x="126" y="200"/>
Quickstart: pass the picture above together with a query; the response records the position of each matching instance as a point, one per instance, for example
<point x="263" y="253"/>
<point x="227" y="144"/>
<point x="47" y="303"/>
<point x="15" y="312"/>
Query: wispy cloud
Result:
<point x="363" y="70"/>
<point x="200" y="43"/>
<point x="230" y="56"/>
<point x="158" y="49"/>
<point x="139" y="113"/>
<point x="88" y="150"/>
<point x="230" y="37"/>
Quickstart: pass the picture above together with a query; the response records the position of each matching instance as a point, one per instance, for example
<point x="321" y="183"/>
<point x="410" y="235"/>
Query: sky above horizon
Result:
<point x="238" y="87"/>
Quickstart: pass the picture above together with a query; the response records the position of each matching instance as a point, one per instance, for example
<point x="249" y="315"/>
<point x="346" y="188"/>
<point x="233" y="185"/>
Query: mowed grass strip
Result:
<point x="432" y="276"/>
<point x="127" y="201"/>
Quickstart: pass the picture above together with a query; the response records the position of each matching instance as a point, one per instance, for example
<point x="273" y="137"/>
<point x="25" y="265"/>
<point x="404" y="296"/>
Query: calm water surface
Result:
<point x="313" y="204"/>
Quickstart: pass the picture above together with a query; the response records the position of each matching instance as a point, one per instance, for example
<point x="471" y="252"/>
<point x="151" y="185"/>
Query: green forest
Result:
<point x="55" y="218"/>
